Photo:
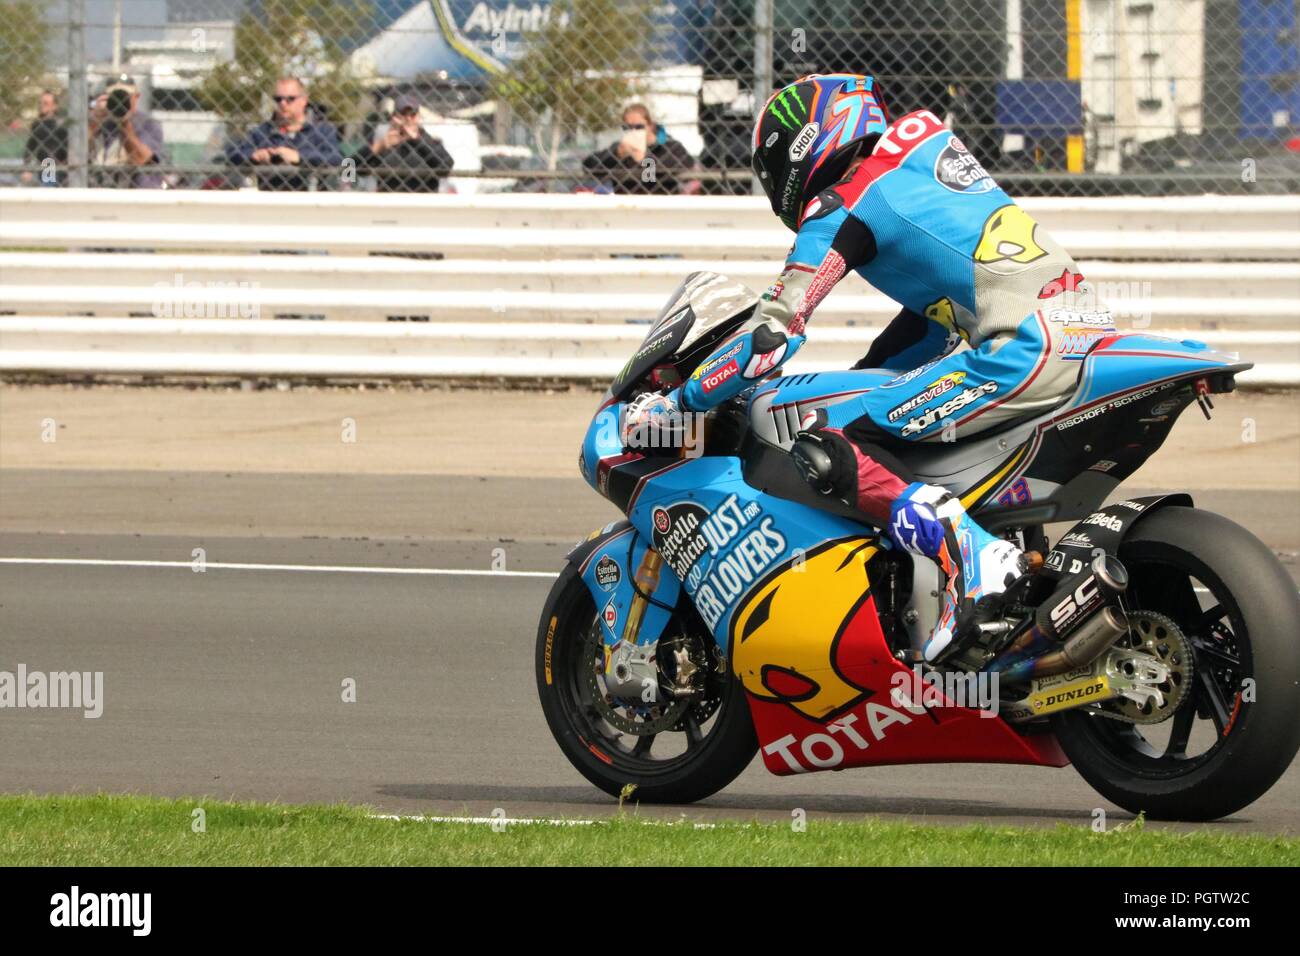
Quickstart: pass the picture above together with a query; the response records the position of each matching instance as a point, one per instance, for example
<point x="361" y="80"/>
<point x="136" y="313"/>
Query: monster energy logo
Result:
<point x="793" y="121"/>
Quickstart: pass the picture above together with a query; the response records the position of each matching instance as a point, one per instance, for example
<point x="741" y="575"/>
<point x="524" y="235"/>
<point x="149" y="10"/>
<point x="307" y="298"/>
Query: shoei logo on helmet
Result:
<point x="803" y="142"/>
<point x="772" y="138"/>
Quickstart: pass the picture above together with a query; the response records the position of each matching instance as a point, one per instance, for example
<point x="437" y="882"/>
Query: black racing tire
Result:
<point x="1259" y="628"/>
<point x="702" y="770"/>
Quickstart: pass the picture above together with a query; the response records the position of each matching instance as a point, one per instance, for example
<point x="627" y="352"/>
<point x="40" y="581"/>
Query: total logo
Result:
<point x="930" y="416"/>
<point x="823" y="751"/>
<point x="710" y="382"/>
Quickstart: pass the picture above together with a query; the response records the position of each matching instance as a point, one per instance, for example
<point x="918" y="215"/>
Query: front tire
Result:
<point x="711" y="744"/>
<point x="1242" y="629"/>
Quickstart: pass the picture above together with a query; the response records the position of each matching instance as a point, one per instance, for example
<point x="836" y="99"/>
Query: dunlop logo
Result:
<point x="1070" y="695"/>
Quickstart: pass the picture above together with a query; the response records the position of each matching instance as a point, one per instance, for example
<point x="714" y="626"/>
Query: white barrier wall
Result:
<point x="528" y="285"/>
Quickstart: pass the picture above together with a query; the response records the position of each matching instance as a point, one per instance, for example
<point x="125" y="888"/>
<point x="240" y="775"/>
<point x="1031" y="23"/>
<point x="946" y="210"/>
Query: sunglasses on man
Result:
<point x="286" y="99"/>
<point x="628" y="127"/>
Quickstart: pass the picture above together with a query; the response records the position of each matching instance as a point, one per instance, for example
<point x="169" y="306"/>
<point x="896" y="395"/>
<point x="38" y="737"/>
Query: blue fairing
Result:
<point x="1130" y="361"/>
<point x="603" y="440"/>
<point x="723" y="536"/>
<point x="608" y="571"/>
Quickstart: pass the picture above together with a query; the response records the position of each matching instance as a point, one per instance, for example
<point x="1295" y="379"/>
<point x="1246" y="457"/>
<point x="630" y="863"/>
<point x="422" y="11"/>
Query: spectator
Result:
<point x="124" y="140"/>
<point x="645" y="160"/>
<point x="47" y="140"/>
<point x="406" y="159"/>
<point x="289" y="145"/>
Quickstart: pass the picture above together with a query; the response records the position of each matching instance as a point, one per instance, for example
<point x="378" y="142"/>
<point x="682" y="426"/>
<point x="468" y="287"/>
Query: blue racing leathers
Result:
<point x="995" y="313"/>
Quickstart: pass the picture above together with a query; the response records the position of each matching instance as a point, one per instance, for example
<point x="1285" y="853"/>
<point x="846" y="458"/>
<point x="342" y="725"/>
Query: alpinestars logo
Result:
<point x="944" y="385"/>
<point x="959" y="401"/>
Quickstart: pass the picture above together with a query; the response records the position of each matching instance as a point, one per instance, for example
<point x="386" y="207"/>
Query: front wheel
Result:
<point x="672" y="750"/>
<point x="1213" y="602"/>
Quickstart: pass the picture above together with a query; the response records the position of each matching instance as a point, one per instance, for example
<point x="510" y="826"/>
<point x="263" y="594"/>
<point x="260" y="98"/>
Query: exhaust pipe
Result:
<point x="1085" y="645"/>
<point x="1073" y="627"/>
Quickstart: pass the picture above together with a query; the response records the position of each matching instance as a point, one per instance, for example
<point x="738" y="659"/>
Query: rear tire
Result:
<point x="598" y="751"/>
<point x="1249" y="631"/>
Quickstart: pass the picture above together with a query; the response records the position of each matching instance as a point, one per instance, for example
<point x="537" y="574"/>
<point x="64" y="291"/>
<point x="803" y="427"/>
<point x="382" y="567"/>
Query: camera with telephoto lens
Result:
<point x="118" y="104"/>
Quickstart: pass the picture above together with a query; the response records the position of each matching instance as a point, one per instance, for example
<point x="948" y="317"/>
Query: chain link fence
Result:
<point x="1058" y="97"/>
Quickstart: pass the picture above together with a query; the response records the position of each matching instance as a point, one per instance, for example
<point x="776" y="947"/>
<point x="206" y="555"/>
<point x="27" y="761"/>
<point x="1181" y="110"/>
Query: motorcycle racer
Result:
<point x="994" y="315"/>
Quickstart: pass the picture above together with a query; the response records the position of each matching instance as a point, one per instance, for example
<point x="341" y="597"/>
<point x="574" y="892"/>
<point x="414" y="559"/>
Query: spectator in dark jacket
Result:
<point x="47" y="144"/>
<point x="645" y="160"/>
<point x="289" y="147"/>
<point x="406" y="159"/>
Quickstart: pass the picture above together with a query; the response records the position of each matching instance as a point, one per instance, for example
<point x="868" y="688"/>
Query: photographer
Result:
<point x="645" y="160"/>
<point x="291" y="146"/>
<point x="406" y="159"/>
<point x="124" y="140"/>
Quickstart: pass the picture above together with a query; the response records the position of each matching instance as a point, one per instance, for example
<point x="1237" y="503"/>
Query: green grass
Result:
<point x="130" y="830"/>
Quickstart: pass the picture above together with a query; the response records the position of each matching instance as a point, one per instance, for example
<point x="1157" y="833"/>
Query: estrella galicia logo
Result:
<point x="678" y="535"/>
<point x="607" y="573"/>
<point x="957" y="170"/>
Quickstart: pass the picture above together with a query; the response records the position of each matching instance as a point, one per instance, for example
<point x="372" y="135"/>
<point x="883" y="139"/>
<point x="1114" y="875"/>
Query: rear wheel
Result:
<point x="1211" y="600"/>
<point x="671" y="749"/>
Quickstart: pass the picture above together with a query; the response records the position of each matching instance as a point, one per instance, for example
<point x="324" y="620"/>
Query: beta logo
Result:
<point x="1109" y="522"/>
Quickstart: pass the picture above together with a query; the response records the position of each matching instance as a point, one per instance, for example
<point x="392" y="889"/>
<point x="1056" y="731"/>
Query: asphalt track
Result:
<point x="227" y="683"/>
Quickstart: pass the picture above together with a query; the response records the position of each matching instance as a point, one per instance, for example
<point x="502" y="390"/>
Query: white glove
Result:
<point x="653" y="420"/>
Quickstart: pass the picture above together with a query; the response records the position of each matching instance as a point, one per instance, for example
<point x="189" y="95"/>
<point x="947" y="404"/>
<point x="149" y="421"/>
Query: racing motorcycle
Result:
<point x="735" y="610"/>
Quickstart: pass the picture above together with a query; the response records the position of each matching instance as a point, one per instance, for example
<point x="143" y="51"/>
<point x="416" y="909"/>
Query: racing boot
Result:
<point x="929" y="520"/>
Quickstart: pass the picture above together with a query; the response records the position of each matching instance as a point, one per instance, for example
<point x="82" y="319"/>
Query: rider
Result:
<point x="993" y="313"/>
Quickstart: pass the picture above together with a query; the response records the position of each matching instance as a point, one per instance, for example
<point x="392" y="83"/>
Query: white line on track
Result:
<point x="324" y="568"/>
<point x="508" y="821"/>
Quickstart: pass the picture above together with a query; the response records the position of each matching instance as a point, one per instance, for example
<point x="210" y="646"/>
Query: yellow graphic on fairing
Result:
<point x="1008" y="235"/>
<point x="793" y="636"/>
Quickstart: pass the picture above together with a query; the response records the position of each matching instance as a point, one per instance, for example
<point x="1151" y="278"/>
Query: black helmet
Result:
<point x="809" y="132"/>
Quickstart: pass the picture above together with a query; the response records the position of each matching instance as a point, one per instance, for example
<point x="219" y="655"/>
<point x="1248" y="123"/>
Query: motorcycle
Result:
<point x="735" y="610"/>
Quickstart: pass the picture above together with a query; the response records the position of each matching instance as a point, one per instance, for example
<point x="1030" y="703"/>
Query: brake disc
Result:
<point x="1155" y="660"/>
<point x="634" y="717"/>
<point x="686" y="666"/>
